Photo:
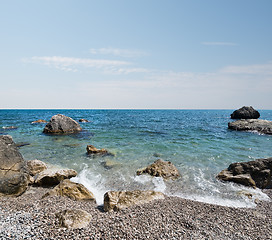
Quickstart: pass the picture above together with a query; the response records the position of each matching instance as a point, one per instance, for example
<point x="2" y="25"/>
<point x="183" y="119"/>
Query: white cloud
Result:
<point x="118" y="52"/>
<point x="219" y="43"/>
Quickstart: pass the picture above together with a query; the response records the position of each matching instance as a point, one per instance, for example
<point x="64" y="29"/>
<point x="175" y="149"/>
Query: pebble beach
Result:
<point x="31" y="217"/>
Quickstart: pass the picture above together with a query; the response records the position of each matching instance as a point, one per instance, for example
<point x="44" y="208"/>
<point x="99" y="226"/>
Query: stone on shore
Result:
<point x="261" y="126"/>
<point x="118" y="200"/>
<point x="75" y="191"/>
<point x="60" y="124"/>
<point x="52" y="177"/>
<point x="14" y="177"/>
<point x="39" y="121"/>
<point x="35" y="166"/>
<point x="245" y="113"/>
<point x="92" y="150"/>
<point x="253" y="173"/>
<point x="74" y="218"/>
<point x="161" y="168"/>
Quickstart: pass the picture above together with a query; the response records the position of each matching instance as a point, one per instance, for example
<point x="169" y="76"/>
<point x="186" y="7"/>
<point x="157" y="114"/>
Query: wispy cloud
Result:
<point x="219" y="43"/>
<point x="130" y="53"/>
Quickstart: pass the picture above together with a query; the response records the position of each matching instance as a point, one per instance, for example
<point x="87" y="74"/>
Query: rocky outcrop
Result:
<point x="39" y="121"/>
<point x="74" y="218"/>
<point x="93" y="151"/>
<point x="253" y="173"/>
<point x="35" y="166"/>
<point x="245" y="113"/>
<point x="14" y="176"/>
<point x="52" y="177"/>
<point x="161" y="168"/>
<point x="83" y="120"/>
<point x="117" y="200"/>
<point x="60" y="124"/>
<point x="75" y="191"/>
<point x="261" y="126"/>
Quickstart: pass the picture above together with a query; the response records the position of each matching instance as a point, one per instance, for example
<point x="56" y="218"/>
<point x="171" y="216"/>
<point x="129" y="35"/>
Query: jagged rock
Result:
<point x="253" y="173"/>
<point x="74" y="218"/>
<point x="83" y="120"/>
<point x="117" y="200"/>
<point x="161" y="168"/>
<point x="52" y="177"/>
<point x="92" y="150"/>
<point x="75" y="191"/>
<point x="35" y="166"/>
<point x="261" y="126"/>
<point x="245" y="113"/>
<point x="14" y="177"/>
<point x="39" y="121"/>
<point x="60" y="124"/>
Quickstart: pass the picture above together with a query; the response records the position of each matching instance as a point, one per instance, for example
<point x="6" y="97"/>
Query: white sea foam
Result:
<point x="159" y="184"/>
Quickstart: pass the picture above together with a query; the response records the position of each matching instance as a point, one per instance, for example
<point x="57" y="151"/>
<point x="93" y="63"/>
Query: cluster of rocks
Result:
<point x="248" y="121"/>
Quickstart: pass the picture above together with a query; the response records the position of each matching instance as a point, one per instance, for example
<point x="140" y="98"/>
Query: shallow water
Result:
<point x="198" y="143"/>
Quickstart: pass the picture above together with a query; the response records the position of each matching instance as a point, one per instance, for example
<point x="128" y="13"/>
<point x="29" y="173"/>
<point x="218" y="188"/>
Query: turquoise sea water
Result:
<point x="197" y="142"/>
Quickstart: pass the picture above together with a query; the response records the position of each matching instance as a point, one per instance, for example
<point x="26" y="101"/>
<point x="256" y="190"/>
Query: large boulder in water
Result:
<point x="75" y="191"/>
<point x="14" y="175"/>
<point x="245" y="113"/>
<point x="161" y="168"/>
<point x="60" y="124"/>
<point x="118" y="200"/>
<point x="258" y="125"/>
<point x="253" y="173"/>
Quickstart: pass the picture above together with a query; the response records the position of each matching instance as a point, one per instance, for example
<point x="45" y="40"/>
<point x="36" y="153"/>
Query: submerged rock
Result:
<point x="60" y="124"/>
<point x="52" y="177"/>
<point x="253" y="173"/>
<point x="110" y="164"/>
<point x="22" y="144"/>
<point x="75" y="191"/>
<point x="261" y="126"/>
<point x="39" y="121"/>
<point x="245" y="113"/>
<point x="74" y="218"/>
<point x="35" y="166"/>
<point x="10" y="127"/>
<point x="117" y="200"/>
<point x="92" y="150"/>
<point x="161" y="168"/>
<point x="83" y="120"/>
<point x="14" y="177"/>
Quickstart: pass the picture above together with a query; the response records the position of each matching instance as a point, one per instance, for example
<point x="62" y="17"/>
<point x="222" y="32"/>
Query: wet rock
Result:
<point x="92" y="150"/>
<point x="83" y="120"/>
<point x="14" y="177"/>
<point x="10" y="127"/>
<point x="75" y="191"/>
<point x="39" y="121"/>
<point x="52" y="177"/>
<point x="161" y="168"/>
<point x="74" y="218"/>
<point x="245" y="113"/>
<point x="110" y="164"/>
<point x="35" y="166"/>
<point x="60" y="124"/>
<point x="253" y="173"/>
<point x="21" y="144"/>
<point x="117" y="200"/>
<point x="261" y="126"/>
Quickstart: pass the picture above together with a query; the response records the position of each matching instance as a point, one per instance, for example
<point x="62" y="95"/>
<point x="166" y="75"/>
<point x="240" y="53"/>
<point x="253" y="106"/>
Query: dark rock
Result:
<point x="39" y="121"/>
<point x="92" y="150"/>
<point x="14" y="177"/>
<point x="245" y="113"/>
<point x="21" y="144"/>
<point x="161" y="168"/>
<point x="83" y="120"/>
<point x="118" y="200"/>
<point x="60" y="124"/>
<point x="75" y="191"/>
<point x="261" y="126"/>
<point x="253" y="173"/>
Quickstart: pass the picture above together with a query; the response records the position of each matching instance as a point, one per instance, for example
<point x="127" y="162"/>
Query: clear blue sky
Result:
<point x="136" y="54"/>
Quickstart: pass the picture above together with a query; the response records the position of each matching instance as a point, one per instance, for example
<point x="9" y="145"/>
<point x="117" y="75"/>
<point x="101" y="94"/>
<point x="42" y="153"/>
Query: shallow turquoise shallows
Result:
<point x="197" y="142"/>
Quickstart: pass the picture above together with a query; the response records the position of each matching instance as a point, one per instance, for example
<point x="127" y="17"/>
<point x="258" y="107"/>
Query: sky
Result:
<point x="144" y="54"/>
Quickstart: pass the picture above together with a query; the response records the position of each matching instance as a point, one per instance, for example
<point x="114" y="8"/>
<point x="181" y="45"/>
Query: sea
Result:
<point x="197" y="142"/>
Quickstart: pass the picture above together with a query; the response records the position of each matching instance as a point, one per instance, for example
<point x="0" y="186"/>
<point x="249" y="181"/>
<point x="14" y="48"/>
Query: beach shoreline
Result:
<point x="31" y="217"/>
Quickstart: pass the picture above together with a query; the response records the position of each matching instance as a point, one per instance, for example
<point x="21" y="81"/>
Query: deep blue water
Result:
<point x="198" y="142"/>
